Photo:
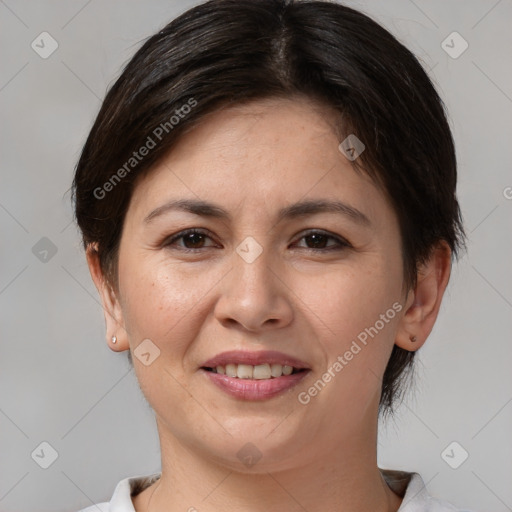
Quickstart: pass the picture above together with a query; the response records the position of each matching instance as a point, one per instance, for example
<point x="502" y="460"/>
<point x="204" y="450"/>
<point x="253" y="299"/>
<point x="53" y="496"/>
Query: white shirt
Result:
<point x="409" y="486"/>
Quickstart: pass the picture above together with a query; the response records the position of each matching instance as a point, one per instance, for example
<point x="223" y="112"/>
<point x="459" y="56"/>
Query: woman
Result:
<point x="267" y="202"/>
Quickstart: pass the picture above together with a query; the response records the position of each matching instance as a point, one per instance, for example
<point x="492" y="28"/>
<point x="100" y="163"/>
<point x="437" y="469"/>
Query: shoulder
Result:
<point x="436" y="505"/>
<point x="98" y="507"/>
<point x="122" y="497"/>
<point x="415" y="496"/>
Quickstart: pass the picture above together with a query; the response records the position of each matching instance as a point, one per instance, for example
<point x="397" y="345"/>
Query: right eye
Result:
<point x="193" y="240"/>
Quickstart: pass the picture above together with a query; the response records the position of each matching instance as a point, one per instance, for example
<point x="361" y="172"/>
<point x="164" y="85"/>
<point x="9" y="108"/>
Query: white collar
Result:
<point x="408" y="485"/>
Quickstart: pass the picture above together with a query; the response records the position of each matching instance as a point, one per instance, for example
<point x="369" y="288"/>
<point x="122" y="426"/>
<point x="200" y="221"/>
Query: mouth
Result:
<point x="262" y="361"/>
<point x="254" y="375"/>
<point x="257" y="372"/>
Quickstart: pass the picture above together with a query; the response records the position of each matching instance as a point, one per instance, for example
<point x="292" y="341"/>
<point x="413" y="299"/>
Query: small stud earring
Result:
<point x="114" y="339"/>
<point x="413" y="338"/>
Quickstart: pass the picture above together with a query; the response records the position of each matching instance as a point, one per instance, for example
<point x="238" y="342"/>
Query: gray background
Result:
<point x="60" y="383"/>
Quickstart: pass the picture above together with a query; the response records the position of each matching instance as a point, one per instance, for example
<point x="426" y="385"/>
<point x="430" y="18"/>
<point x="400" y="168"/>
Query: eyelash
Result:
<point x="342" y="243"/>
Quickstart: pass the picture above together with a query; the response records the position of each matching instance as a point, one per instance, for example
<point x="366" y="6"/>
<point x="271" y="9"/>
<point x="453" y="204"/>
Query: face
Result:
<point x="321" y="288"/>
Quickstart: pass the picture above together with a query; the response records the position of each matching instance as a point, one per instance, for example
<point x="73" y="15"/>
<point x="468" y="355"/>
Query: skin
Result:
<point x="310" y="303"/>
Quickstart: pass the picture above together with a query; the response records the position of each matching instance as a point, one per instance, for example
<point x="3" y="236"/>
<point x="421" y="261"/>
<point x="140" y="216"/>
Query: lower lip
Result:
<point x="254" y="389"/>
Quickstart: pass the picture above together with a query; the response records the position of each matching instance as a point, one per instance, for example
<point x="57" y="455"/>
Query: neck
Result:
<point x="345" y="479"/>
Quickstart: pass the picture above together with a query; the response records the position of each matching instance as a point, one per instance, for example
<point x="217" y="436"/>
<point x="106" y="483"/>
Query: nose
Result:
<point x="253" y="296"/>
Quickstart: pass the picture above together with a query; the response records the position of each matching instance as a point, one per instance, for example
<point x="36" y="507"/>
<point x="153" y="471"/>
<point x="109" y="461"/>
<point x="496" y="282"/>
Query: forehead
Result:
<point x="259" y="153"/>
<point x="257" y="134"/>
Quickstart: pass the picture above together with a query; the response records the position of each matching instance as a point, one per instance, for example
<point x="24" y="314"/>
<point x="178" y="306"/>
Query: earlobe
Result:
<point x="115" y="335"/>
<point x="424" y="301"/>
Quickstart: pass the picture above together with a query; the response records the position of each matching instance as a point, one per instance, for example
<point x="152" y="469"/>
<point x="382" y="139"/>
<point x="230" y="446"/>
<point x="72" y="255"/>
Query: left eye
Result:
<point x="319" y="240"/>
<point x="194" y="240"/>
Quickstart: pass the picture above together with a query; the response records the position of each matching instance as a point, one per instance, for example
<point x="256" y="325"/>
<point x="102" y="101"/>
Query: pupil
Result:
<point x="193" y="238"/>
<point x="317" y="240"/>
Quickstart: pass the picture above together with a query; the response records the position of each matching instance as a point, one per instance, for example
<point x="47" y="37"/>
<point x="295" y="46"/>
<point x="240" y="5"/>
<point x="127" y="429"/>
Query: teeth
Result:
<point x="231" y="370"/>
<point x="287" y="370"/>
<point x="244" y="371"/>
<point x="262" y="371"/>
<point x="259" y="372"/>
<point x="276" y="370"/>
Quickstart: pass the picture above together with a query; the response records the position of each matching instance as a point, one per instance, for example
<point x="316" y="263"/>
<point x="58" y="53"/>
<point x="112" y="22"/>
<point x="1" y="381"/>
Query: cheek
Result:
<point x="162" y="303"/>
<point x="347" y="301"/>
<point x="356" y="329"/>
<point x="161" y="300"/>
<point x="357" y="323"/>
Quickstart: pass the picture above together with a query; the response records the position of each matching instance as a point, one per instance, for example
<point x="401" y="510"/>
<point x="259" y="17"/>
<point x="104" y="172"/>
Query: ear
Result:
<point x="114" y="321"/>
<point x="423" y="302"/>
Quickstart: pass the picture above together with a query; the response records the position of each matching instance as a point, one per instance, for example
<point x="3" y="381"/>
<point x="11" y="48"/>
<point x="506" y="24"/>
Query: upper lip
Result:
<point x="254" y="358"/>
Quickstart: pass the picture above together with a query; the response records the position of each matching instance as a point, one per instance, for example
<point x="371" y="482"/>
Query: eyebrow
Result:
<point x="300" y="209"/>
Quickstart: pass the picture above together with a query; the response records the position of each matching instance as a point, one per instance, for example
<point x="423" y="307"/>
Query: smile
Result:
<point x="258" y="372"/>
<point x="250" y="388"/>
